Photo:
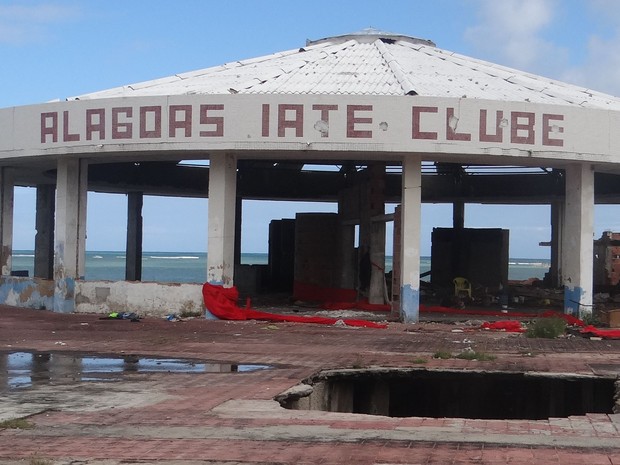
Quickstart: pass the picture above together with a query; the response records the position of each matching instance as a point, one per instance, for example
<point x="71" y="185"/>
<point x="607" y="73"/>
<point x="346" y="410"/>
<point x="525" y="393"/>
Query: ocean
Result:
<point x="185" y="267"/>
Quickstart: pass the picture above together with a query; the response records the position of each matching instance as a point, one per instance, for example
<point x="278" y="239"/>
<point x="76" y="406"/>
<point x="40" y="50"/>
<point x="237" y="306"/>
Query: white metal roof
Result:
<point x="369" y="62"/>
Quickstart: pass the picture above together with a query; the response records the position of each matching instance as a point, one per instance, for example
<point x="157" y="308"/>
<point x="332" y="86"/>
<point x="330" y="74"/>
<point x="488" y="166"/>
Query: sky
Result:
<point x="56" y="49"/>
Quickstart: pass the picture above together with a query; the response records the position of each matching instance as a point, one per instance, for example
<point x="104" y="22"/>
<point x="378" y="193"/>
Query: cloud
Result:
<point x="600" y="69"/>
<point x="30" y="23"/>
<point x="512" y="33"/>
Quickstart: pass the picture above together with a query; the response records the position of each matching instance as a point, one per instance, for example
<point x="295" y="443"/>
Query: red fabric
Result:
<point x="604" y="333"/>
<point x="510" y="326"/>
<point x="570" y="319"/>
<point x="222" y="303"/>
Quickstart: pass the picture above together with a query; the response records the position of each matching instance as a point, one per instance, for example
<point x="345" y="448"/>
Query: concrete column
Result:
<point x="376" y="195"/>
<point x="346" y="246"/>
<point x="44" y="237"/>
<point x="410" y="239"/>
<point x="577" y="248"/>
<point x="458" y="215"/>
<point x="6" y="220"/>
<point x="222" y="202"/>
<point x="557" y="226"/>
<point x="133" y="256"/>
<point x="70" y="234"/>
<point x="238" y="226"/>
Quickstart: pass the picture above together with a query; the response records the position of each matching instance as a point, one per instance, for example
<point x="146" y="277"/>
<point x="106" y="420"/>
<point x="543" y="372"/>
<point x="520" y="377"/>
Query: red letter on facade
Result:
<point x="451" y="121"/>
<point x="515" y="127"/>
<point x="99" y="126"/>
<point x="66" y="137"/>
<point x="52" y="129"/>
<point x="546" y="140"/>
<point x="415" y="126"/>
<point x="185" y="123"/>
<point x="352" y="121"/>
<point x="218" y="121"/>
<point x="265" y="132"/>
<point x="325" y="109"/>
<point x="297" y="123"/>
<point x="499" y="131"/>
<point x="155" y="132"/>
<point x="121" y="130"/>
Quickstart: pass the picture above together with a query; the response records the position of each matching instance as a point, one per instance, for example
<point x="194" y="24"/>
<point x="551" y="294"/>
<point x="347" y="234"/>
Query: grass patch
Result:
<point x="39" y="461"/>
<point x="419" y="361"/>
<point x="473" y="355"/>
<point x="548" y="328"/>
<point x="442" y="354"/>
<point x="16" y="423"/>
<point x="190" y="313"/>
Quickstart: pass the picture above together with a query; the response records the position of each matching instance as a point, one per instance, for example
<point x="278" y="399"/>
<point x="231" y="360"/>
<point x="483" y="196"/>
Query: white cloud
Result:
<point x="511" y="32"/>
<point x="600" y="69"/>
<point x="20" y="24"/>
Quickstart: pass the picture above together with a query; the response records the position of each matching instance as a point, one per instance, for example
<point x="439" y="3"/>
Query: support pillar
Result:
<point x="346" y="238"/>
<point x="70" y="234"/>
<point x="557" y="226"/>
<point x="44" y="237"/>
<point x="6" y="220"/>
<point x="222" y="203"/>
<point x="577" y="248"/>
<point x="458" y="215"/>
<point x="410" y="239"/>
<point x="133" y="255"/>
<point x="376" y="205"/>
<point x="238" y="226"/>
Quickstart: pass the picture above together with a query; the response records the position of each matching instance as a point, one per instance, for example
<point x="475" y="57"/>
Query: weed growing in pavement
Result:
<point x="548" y="328"/>
<point x="39" y="461"/>
<point x="16" y="423"/>
<point x="442" y="354"/>
<point x="419" y="360"/>
<point x="473" y="355"/>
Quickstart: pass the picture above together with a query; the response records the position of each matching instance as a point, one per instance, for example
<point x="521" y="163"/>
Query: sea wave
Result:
<point x="96" y="256"/>
<point x="533" y="264"/>
<point x="180" y="257"/>
<point x="24" y="255"/>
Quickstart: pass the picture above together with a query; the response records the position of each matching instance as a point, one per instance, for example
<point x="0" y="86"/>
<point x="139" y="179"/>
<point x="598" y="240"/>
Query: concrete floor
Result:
<point x="231" y="418"/>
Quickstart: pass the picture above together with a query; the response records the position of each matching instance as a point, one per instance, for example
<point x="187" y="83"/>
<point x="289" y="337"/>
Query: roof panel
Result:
<point x="368" y="63"/>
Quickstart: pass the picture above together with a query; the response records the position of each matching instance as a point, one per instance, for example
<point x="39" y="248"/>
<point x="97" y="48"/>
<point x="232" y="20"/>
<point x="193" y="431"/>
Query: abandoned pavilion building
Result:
<point x="404" y="121"/>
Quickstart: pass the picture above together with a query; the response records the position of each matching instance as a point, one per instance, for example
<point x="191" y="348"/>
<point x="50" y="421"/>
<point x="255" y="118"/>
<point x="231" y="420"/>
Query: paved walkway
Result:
<point x="231" y="418"/>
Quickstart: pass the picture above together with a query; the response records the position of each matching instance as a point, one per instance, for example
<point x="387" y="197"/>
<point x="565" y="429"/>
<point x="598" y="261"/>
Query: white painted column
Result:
<point x="70" y="231"/>
<point x="222" y="203"/>
<point x="410" y="239"/>
<point x="577" y="238"/>
<point x="6" y="220"/>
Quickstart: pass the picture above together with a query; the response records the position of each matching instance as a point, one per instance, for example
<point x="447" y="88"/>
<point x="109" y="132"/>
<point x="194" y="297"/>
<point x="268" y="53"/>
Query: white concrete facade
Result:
<point x="70" y="231"/>
<point x="578" y="236"/>
<point x="410" y="239"/>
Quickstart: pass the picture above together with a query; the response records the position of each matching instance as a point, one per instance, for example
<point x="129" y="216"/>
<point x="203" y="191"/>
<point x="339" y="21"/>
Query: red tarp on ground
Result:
<point x="222" y="303"/>
<point x="604" y="333"/>
<point x="510" y="326"/>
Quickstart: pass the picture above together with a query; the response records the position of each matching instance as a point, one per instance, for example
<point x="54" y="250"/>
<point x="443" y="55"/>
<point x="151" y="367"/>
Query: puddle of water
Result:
<point x="26" y="369"/>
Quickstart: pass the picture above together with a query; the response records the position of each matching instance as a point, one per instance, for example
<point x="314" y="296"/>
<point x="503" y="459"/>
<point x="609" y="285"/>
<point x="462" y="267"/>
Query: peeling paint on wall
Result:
<point x="64" y="295"/>
<point x="409" y="304"/>
<point x="27" y="292"/>
<point x="145" y="299"/>
<point x="573" y="296"/>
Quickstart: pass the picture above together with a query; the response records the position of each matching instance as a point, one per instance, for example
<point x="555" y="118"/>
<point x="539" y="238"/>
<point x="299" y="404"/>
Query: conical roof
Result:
<point x="369" y="62"/>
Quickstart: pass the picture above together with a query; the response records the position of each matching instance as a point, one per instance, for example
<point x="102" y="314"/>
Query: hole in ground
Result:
<point x="454" y="394"/>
